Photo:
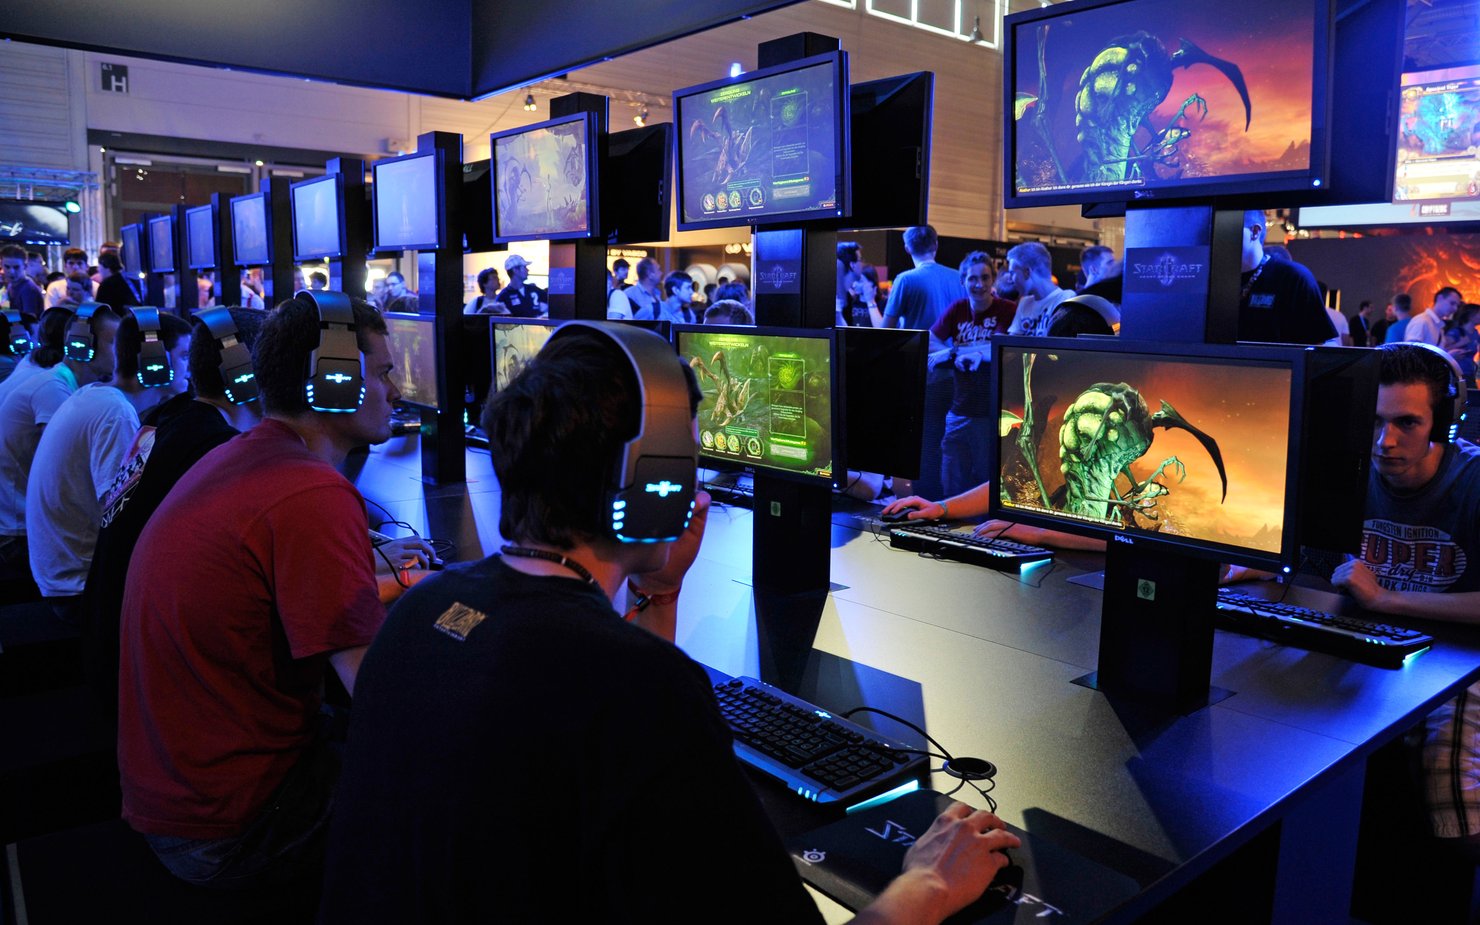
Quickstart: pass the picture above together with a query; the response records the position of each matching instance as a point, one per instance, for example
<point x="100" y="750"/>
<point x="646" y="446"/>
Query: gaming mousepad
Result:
<point x="853" y="859"/>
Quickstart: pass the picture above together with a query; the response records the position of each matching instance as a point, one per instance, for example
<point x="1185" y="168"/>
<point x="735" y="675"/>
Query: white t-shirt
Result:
<point x="56" y="292"/>
<point x="78" y="456"/>
<point x="1342" y="326"/>
<point x="24" y="370"/>
<point x="1425" y="327"/>
<point x="618" y="306"/>
<point x="1033" y="313"/>
<point x="23" y="413"/>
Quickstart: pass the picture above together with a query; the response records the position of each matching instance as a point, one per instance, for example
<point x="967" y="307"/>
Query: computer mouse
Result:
<point x="436" y="565"/>
<point x="895" y="517"/>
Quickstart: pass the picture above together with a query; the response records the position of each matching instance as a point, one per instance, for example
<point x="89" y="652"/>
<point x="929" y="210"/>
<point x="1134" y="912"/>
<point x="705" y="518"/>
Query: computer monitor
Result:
<point x="1164" y="100"/>
<point x="767" y="396"/>
<point x="131" y="251"/>
<point x="882" y="398"/>
<point x="410" y="208"/>
<point x="413" y="345"/>
<point x="890" y="130"/>
<point x="545" y="180"/>
<point x="636" y="197"/>
<point x="162" y="244"/>
<point x="1340" y="401"/>
<point x="514" y="343"/>
<point x="1192" y="445"/>
<point x="251" y="230"/>
<point x="1437" y="157"/>
<point x="200" y="237"/>
<point x="769" y="146"/>
<point x="28" y="221"/>
<point x="318" y="217"/>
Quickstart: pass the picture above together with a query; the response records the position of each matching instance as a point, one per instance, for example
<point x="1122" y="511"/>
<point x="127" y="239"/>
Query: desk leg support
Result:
<point x="1318" y="853"/>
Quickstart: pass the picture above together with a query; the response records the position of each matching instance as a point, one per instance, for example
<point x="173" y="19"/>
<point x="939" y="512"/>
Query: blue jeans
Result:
<point x="963" y="453"/>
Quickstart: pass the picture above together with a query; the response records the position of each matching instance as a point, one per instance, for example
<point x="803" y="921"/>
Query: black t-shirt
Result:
<point x="1283" y="306"/>
<point x="518" y="753"/>
<point x="184" y="431"/>
<point x="522" y="301"/>
<point x="115" y="293"/>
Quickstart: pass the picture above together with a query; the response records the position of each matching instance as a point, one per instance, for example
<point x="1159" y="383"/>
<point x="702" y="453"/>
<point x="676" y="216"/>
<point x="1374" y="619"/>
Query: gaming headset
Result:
<point x="336" y="369"/>
<point x="238" y="375"/>
<point x="81" y="345"/>
<point x="20" y="338"/>
<point x="1099" y="305"/>
<point x="154" y="362"/>
<point x="649" y="497"/>
<point x="1447" y="414"/>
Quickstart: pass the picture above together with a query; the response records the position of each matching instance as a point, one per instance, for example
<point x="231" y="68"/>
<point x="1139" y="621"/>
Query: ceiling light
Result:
<point x="529" y="102"/>
<point x="641" y="118"/>
<point x="976" y="31"/>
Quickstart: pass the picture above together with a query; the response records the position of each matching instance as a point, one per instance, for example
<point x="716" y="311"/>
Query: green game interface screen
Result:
<point x="767" y="398"/>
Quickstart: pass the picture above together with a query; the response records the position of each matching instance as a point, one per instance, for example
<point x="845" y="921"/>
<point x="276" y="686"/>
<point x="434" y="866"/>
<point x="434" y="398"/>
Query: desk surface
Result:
<point x="986" y="662"/>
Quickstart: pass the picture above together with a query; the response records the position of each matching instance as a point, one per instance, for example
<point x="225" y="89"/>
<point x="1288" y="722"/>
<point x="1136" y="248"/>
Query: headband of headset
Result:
<point x="238" y="375"/>
<point x="650" y="495"/>
<point x="336" y="369"/>
<point x="81" y="345"/>
<point x="20" y="339"/>
<point x="1100" y="306"/>
<point x="1447" y="413"/>
<point x="155" y="369"/>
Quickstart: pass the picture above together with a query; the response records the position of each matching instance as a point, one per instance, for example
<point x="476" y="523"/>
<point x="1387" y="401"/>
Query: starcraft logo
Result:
<point x="1168" y="270"/>
<point x="778" y="277"/>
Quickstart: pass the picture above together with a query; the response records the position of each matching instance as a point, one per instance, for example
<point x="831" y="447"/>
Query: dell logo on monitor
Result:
<point x="338" y="378"/>
<point x="1124" y="539"/>
<point x="662" y="489"/>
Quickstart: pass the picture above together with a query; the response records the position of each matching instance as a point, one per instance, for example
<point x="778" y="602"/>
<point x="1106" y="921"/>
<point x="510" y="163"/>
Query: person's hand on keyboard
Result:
<point x="1357" y="579"/>
<point x="916" y="507"/>
<point x="947" y="868"/>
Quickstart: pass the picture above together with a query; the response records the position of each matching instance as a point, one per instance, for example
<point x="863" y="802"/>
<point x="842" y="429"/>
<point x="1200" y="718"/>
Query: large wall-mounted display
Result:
<point x="545" y="180"/>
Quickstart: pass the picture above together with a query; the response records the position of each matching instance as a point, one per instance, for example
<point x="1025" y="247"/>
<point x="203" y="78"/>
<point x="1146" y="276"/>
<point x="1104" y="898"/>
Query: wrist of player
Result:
<point x="657" y="592"/>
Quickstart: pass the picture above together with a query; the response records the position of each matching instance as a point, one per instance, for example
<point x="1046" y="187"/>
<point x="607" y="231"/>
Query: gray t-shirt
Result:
<point x="1429" y="539"/>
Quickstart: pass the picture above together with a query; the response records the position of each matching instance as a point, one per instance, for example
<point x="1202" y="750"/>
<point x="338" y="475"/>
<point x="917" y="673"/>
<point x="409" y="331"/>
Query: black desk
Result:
<point x="987" y="661"/>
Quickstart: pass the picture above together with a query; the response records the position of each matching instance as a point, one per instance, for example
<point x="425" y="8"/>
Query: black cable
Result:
<point x="903" y="722"/>
<point x="395" y="569"/>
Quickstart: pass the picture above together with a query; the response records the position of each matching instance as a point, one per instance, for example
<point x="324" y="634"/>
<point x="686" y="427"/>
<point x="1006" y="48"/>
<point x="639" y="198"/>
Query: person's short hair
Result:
<point x="554" y="434"/>
<point x="130" y="340"/>
<point x="1365" y="303"/>
<point x="1279" y="252"/>
<point x="620" y="266"/>
<point x="320" y="277"/>
<point x="81" y="279"/>
<point x="109" y="247"/>
<point x="728" y="311"/>
<point x="74" y="253"/>
<point x="647" y="268"/>
<point x="1447" y="290"/>
<point x="971" y="260"/>
<point x="205" y="353"/>
<point x="12" y="252"/>
<point x="673" y="280"/>
<point x="1404" y="363"/>
<point x="847" y="251"/>
<point x="287" y="337"/>
<point x="1034" y="256"/>
<point x="920" y="240"/>
<point x="486" y="275"/>
<point x="1095" y="256"/>
<point x="394" y="274"/>
<point x="1403" y="302"/>
<point x="109" y="260"/>
<point x="52" y="336"/>
<point x="734" y="291"/>
<point x="1255" y="217"/>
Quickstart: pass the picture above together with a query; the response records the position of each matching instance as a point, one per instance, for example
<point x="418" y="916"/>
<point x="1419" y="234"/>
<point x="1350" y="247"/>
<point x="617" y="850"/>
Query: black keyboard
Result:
<point x="823" y="758"/>
<point x="1380" y="644"/>
<point x="947" y="543"/>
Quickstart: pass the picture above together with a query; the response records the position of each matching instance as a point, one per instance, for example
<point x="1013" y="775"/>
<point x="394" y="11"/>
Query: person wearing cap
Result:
<point x="520" y="297"/>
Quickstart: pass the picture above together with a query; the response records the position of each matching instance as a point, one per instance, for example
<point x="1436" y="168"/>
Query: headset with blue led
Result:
<point x="238" y="375"/>
<point x="650" y="495"/>
<point x="155" y="368"/>
<point x="81" y="345"/>
<point x="1450" y="410"/>
<point x="336" y="368"/>
<point x="20" y="339"/>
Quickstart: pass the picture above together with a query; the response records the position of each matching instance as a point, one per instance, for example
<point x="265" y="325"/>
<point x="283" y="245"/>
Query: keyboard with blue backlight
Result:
<point x="811" y="752"/>
<point x="960" y="546"/>
<point x="1371" y="642"/>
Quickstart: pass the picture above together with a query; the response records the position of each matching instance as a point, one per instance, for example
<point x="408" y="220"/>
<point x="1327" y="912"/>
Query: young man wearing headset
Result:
<point x="494" y="678"/>
<point x="253" y="576"/>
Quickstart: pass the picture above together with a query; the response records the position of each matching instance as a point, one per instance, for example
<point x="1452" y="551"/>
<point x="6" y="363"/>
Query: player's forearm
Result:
<point x="914" y="897"/>
<point x="971" y="503"/>
<point x="1463" y="607"/>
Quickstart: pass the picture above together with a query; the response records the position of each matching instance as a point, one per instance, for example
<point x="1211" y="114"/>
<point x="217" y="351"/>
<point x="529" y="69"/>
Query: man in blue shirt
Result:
<point x="918" y="296"/>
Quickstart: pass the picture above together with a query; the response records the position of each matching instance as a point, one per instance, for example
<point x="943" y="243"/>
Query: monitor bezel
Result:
<point x="337" y="181"/>
<point x="1285" y="560"/>
<point x="439" y="195"/>
<point x="843" y="442"/>
<point x="827" y="334"/>
<point x="843" y="168"/>
<point x="1254" y="191"/>
<point x="240" y="202"/>
<point x="593" y="186"/>
<point x="431" y="322"/>
<point x="132" y="252"/>
<point x="209" y="211"/>
<point x="493" y="323"/>
<point x="161" y="263"/>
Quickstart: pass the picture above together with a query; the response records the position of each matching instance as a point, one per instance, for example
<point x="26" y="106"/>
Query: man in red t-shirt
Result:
<point x="254" y="575"/>
<point x="961" y="335"/>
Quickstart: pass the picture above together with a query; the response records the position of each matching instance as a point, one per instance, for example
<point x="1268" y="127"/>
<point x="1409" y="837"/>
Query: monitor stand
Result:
<point x="1156" y="626"/>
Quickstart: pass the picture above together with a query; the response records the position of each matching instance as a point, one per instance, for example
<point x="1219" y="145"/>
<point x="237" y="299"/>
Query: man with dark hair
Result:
<point x="1401" y="311"/>
<point x="74" y="264"/>
<point x="36" y="269"/>
<point x="919" y="295"/>
<point x="222" y="763"/>
<point x="174" y="436"/>
<point x="107" y="247"/>
<point x="1030" y="270"/>
<point x="646" y="295"/>
<point x="620" y="268"/>
<point x="78" y="455"/>
<point x="1360" y="324"/>
<point x="523" y="656"/>
<point x="1427" y="327"/>
<point x="23" y="364"/>
<point x="21" y="291"/>
<point x="114" y="290"/>
<point x="520" y="297"/>
<point x="728" y="311"/>
<point x="677" y="305"/>
<point x="618" y="306"/>
<point x="850" y="264"/>
<point x="318" y="280"/>
<point x="26" y="411"/>
<point x="1420" y="558"/>
<point x="1280" y="301"/>
<point x="397" y="297"/>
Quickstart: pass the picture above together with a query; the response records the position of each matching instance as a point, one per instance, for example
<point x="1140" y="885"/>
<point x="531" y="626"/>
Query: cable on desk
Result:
<point x="986" y="772"/>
